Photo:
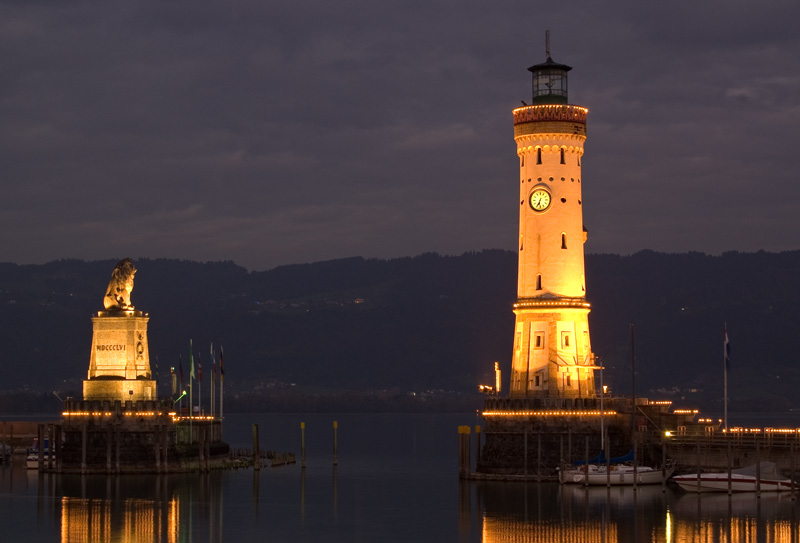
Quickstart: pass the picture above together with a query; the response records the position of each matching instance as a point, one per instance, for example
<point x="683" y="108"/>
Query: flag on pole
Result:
<point x="173" y="379"/>
<point x="727" y="346"/>
<point x="191" y="361"/>
<point x="221" y="367"/>
<point x="199" y="369"/>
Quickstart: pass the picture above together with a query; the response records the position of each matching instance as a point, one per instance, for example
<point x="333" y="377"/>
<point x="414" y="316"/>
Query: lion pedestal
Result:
<point x="119" y="366"/>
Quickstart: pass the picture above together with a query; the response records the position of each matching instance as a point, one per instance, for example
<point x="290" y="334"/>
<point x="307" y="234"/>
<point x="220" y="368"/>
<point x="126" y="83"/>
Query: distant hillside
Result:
<point x="421" y="324"/>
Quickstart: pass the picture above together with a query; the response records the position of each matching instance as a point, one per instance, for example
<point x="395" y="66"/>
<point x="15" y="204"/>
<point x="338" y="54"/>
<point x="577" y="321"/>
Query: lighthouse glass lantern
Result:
<point x="549" y="82"/>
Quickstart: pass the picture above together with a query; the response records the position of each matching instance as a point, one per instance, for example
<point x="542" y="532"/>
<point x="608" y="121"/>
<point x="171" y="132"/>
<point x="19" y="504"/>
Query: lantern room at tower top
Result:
<point x="552" y="354"/>
<point x="549" y="82"/>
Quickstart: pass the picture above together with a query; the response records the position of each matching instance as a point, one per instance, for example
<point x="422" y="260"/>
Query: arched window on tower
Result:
<point x="579" y="160"/>
<point x="563" y="161"/>
<point x="539" y="155"/>
<point x="521" y="161"/>
<point x="539" y="282"/>
<point x="563" y="240"/>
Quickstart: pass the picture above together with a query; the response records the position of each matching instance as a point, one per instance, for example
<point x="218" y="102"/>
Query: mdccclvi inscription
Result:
<point x="111" y="347"/>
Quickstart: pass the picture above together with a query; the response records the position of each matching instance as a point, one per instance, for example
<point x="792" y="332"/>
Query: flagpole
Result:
<point x="725" y="374"/>
<point x="199" y="385"/>
<point x="221" y="388"/>
<point x="191" y="386"/>
<point x="213" y="378"/>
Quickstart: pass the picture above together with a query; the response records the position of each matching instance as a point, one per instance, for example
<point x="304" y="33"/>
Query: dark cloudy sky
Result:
<point x="273" y="133"/>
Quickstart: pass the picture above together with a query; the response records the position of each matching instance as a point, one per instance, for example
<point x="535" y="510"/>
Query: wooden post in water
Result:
<point x="539" y="457"/>
<point x="607" y="452"/>
<point x="791" y="467"/>
<point x="59" y="451"/>
<point x="698" y="464"/>
<point x="84" y="444"/>
<point x="201" y="450"/>
<point x="157" y="446"/>
<point x="51" y="450"/>
<point x="302" y="444"/>
<point x="40" y="431"/>
<point x="586" y="465"/>
<point x="663" y="465"/>
<point x="477" y="444"/>
<point x="758" y="469"/>
<point x="730" y="482"/>
<point x="335" y="443"/>
<point x="108" y="449"/>
<point x="635" y="458"/>
<point x="463" y="452"/>
<point x="525" y="452"/>
<point x="117" y="447"/>
<point x="256" y="452"/>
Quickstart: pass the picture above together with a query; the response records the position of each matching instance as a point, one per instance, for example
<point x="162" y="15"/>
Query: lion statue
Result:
<point x="118" y="293"/>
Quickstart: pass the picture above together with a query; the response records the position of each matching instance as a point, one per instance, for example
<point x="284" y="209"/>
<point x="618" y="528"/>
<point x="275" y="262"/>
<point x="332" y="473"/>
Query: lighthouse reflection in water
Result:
<point x="396" y="480"/>
<point x="574" y="513"/>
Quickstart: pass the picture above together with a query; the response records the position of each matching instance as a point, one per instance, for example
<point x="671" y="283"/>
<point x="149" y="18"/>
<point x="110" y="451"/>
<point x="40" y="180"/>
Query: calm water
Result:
<point x="396" y="481"/>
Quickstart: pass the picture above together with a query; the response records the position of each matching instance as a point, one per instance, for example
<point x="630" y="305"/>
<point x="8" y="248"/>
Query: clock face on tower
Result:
<point x="539" y="199"/>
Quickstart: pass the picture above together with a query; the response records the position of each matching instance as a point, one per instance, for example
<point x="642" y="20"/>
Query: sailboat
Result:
<point x="617" y="471"/>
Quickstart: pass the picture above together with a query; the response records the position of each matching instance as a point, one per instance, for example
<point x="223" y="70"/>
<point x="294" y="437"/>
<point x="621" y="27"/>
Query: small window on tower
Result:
<point x="536" y="381"/>
<point x="522" y="161"/>
<point x="579" y="160"/>
<point x="538" y="340"/>
<point x="562" y="156"/>
<point x="563" y="240"/>
<point x="538" y="156"/>
<point x="569" y="380"/>
<point x="565" y="339"/>
<point x="539" y="282"/>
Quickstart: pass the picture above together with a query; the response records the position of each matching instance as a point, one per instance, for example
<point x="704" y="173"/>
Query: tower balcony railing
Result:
<point x="555" y="302"/>
<point x="550" y="112"/>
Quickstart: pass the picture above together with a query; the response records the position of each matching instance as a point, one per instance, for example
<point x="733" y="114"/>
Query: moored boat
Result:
<point x="32" y="459"/>
<point x="619" y="474"/>
<point x="764" y="477"/>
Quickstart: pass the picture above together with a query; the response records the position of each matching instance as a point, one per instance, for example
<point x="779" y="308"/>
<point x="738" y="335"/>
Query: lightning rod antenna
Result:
<point x="547" y="43"/>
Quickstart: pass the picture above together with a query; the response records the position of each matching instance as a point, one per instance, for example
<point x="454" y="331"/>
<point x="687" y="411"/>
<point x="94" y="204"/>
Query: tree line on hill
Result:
<point x="412" y="333"/>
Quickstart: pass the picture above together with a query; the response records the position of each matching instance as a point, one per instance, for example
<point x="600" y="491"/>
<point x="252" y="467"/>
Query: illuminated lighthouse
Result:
<point x="552" y="355"/>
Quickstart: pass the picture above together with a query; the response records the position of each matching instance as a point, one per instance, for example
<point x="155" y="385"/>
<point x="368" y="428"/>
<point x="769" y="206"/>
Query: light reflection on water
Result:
<point x="396" y="481"/>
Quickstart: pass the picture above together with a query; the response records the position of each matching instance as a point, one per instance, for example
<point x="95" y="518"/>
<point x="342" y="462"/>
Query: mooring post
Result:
<point x="608" y="460"/>
<point x="477" y="444"/>
<point x="51" y="451"/>
<point x="698" y="464"/>
<point x="525" y="452"/>
<point x="40" y="431"/>
<point x="335" y="443"/>
<point x="84" y="444"/>
<point x="539" y="457"/>
<point x="59" y="451"/>
<point x="117" y="448"/>
<point x="157" y="446"/>
<point x="303" y="444"/>
<point x="256" y="453"/>
<point x="758" y="469"/>
<point x="791" y="467"/>
<point x="108" y="449"/>
<point x="663" y="465"/>
<point x="730" y="482"/>
<point x="586" y="465"/>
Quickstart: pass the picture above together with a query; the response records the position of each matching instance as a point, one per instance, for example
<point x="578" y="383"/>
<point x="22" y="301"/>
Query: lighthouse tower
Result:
<point x="552" y="355"/>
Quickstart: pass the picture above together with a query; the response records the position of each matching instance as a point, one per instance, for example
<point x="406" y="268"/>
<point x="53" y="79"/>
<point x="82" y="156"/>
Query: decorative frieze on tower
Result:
<point x="552" y="354"/>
